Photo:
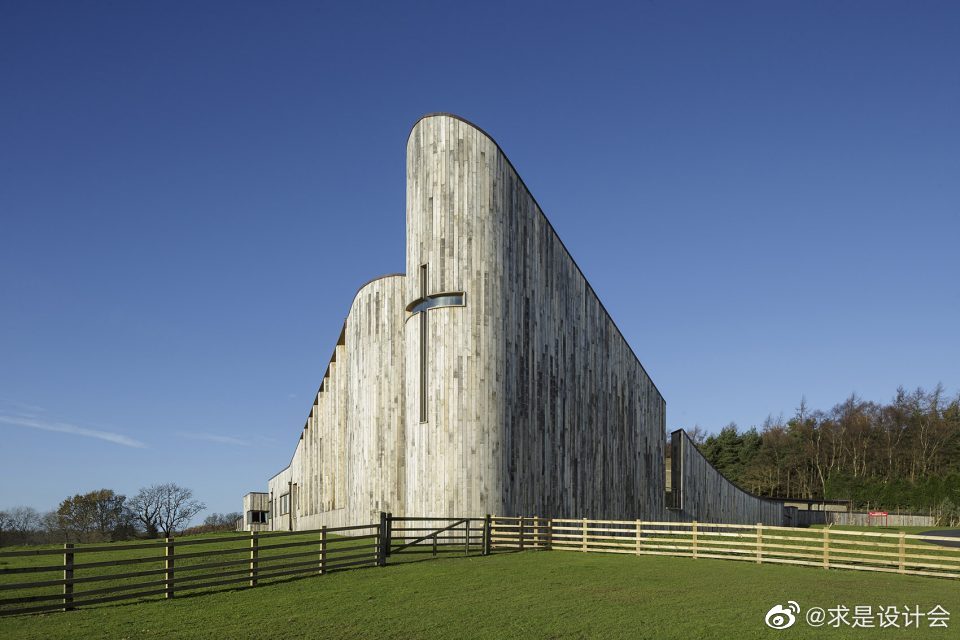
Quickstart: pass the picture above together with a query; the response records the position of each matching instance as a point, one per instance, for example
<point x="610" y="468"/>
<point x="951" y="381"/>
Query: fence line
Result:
<point x="173" y="567"/>
<point x="828" y="548"/>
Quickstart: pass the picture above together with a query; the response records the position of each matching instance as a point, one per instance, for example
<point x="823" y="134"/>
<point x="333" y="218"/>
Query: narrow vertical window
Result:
<point x="423" y="346"/>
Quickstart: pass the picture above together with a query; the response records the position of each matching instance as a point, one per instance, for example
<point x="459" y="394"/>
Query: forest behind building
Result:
<point x="900" y="455"/>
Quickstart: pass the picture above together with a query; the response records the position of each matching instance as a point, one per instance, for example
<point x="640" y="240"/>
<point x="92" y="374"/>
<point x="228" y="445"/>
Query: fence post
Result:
<point x="694" y="538"/>
<point x="639" y="535"/>
<point x="487" y="524"/>
<point x="759" y="542"/>
<point x="583" y="545"/>
<point x="323" y="549"/>
<point x="826" y="548"/>
<point x="549" y="534"/>
<point x="382" y="533"/>
<point x="168" y="565"/>
<point x="901" y="552"/>
<point x="521" y="533"/>
<point x="68" y="576"/>
<point x="254" y="553"/>
<point x="434" y="544"/>
<point x="389" y="535"/>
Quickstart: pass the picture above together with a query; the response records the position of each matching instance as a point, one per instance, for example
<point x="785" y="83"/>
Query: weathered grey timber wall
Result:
<point x="490" y="378"/>
<point x="536" y="402"/>
<point x="707" y="496"/>
<point x="348" y="464"/>
<point x="451" y="229"/>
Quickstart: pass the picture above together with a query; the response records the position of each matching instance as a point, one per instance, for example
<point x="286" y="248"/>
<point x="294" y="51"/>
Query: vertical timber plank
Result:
<point x="826" y="548"/>
<point x="901" y="556"/>
<point x="694" y="541"/>
<point x="487" y="524"/>
<point x="759" y="542"/>
<point x="323" y="550"/>
<point x="168" y="565"/>
<point x="254" y="553"/>
<point x="68" y="576"/>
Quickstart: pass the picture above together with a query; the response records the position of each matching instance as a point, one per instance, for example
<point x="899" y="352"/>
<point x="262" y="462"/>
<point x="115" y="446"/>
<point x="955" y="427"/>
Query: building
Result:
<point x="488" y="377"/>
<point x="256" y="512"/>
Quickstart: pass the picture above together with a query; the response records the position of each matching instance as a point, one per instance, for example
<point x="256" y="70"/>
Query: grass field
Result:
<point x="516" y="595"/>
<point x="223" y="556"/>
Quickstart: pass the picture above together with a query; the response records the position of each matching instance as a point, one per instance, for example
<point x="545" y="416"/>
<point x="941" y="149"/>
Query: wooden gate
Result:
<point x="417" y="535"/>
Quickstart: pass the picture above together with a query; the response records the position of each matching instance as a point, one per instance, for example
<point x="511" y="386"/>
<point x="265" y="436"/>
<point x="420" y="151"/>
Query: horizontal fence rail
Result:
<point x="521" y="533"/>
<point x="413" y="535"/>
<point x="827" y="548"/>
<point x="61" y="579"/>
<point x="89" y="574"/>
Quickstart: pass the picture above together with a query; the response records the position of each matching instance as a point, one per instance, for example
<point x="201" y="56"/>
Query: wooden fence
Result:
<point x="87" y="574"/>
<point x="827" y="548"/>
<point x="411" y="535"/>
<point x="863" y="519"/>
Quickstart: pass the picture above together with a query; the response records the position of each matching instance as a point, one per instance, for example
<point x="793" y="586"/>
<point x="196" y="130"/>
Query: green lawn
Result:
<point x="229" y="552"/>
<point x="516" y="595"/>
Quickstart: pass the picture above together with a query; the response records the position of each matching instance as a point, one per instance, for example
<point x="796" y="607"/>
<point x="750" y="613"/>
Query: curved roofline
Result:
<point x="343" y="331"/>
<point x="340" y="337"/>
<point x="725" y="478"/>
<point x="372" y="280"/>
<point x="463" y="120"/>
<point x="549" y="224"/>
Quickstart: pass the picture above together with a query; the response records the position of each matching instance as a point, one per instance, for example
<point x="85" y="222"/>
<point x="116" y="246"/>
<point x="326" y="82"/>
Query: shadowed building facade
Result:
<point x="487" y="378"/>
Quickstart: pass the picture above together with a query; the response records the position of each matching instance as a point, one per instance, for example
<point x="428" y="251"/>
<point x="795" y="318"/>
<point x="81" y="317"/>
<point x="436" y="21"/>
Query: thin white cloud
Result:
<point x="21" y="408"/>
<point x="72" y="429"/>
<point x="213" y="437"/>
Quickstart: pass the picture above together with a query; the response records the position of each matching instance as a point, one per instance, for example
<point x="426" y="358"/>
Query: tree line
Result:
<point x="904" y="454"/>
<point x="104" y="515"/>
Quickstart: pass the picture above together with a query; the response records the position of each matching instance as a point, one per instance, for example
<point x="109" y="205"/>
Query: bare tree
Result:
<point x="145" y="507"/>
<point x="52" y="527"/>
<point x="23" y="519"/>
<point x="165" y="507"/>
<point x="221" y="519"/>
<point x="698" y="435"/>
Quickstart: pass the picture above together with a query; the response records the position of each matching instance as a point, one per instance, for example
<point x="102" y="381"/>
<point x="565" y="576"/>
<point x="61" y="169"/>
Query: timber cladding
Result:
<point x="489" y="378"/>
<point x="547" y="409"/>
<point x="706" y="495"/>
<point x="341" y="471"/>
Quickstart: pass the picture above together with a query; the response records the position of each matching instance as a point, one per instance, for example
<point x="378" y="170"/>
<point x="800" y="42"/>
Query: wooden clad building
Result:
<point x="487" y="378"/>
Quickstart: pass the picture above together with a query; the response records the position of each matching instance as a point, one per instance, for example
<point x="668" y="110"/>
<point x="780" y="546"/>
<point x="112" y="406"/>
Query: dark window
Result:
<point x="257" y="517"/>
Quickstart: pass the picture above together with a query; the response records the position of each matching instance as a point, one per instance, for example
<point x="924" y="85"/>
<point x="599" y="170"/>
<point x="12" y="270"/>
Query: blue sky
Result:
<point x="766" y="196"/>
